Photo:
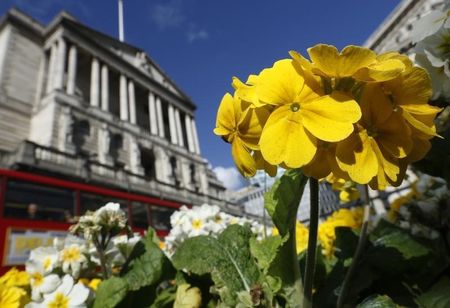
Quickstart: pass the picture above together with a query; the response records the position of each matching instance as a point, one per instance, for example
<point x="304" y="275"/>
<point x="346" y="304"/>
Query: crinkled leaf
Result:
<point x="380" y="301"/>
<point x="227" y="259"/>
<point x="110" y="293"/>
<point x="265" y="250"/>
<point x="438" y="296"/>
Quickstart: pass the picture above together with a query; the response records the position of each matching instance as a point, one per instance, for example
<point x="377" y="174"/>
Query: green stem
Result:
<point x="359" y="249"/>
<point x="312" y="242"/>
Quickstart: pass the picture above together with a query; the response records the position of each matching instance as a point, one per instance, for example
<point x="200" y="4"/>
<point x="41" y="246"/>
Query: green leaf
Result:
<point x="282" y="202"/>
<point x="380" y="301"/>
<point x="110" y="293"/>
<point x="400" y="240"/>
<point x="283" y="199"/>
<point x="438" y="296"/>
<point x="148" y="267"/>
<point x="265" y="250"/>
<point x="345" y="243"/>
<point x="227" y="259"/>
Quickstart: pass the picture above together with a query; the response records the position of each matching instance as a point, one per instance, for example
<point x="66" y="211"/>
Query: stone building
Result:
<point x="78" y="104"/>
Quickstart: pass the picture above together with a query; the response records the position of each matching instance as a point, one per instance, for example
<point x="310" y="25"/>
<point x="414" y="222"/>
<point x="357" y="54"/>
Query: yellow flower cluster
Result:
<point x="341" y="218"/>
<point x="355" y="114"/>
<point x="301" y="236"/>
<point x="13" y="285"/>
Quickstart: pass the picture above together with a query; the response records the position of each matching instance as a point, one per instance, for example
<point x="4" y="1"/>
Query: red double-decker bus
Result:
<point x="34" y="209"/>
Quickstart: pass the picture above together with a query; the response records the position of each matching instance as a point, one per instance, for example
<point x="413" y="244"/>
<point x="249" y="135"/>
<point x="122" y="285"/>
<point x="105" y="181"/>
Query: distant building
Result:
<point x="79" y="105"/>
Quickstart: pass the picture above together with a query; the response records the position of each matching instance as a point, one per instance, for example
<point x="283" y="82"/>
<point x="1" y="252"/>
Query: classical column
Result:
<point x="152" y="113"/>
<point x="187" y="122"/>
<point x="179" y="128"/>
<point x="72" y="70"/>
<point x="95" y="82"/>
<point x="132" y="102"/>
<point x="105" y="88"/>
<point x="123" y="98"/>
<point x="160" y="117"/>
<point x="60" y="65"/>
<point x="173" y="129"/>
<point x="195" y="137"/>
<point x="51" y="68"/>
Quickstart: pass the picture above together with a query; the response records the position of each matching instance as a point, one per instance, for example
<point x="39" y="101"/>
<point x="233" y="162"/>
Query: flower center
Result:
<point x="295" y="107"/>
<point x="47" y="263"/>
<point x="71" y="254"/>
<point x="197" y="224"/>
<point x="60" y="301"/>
<point x="38" y="279"/>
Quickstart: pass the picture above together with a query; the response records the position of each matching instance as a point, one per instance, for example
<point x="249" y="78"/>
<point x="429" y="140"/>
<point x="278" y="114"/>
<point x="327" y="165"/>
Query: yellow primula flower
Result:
<point x="324" y="162"/>
<point x="301" y="117"/>
<point x="13" y="297"/>
<point x="353" y="62"/>
<point x="241" y="126"/>
<point x="409" y="94"/>
<point x="15" y="278"/>
<point x="188" y="296"/>
<point x="347" y="188"/>
<point x="247" y="91"/>
<point x="301" y="236"/>
<point x="381" y="138"/>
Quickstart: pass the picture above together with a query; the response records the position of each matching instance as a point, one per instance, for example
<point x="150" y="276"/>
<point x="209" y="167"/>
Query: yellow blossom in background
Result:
<point x="94" y="283"/>
<point x="15" y="278"/>
<point x="301" y="233"/>
<point x="188" y="297"/>
<point x="341" y="218"/>
<point x="398" y="203"/>
<point x="348" y="189"/>
<point x="13" y="297"/>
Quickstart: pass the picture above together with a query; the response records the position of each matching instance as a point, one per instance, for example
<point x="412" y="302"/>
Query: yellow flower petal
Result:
<point x="242" y="158"/>
<point x="330" y="118"/>
<point x="419" y="150"/>
<point x="262" y="164"/>
<point x="395" y="136"/>
<point x="226" y="117"/>
<point x="318" y="168"/>
<point x="327" y="61"/>
<point x="356" y="156"/>
<point x="430" y="131"/>
<point x="251" y="125"/>
<point x="380" y="71"/>
<point x="280" y="84"/>
<point x="412" y="87"/>
<point x="284" y="139"/>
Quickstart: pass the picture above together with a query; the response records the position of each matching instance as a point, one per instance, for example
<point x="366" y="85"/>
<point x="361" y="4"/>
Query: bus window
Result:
<point x="140" y="215"/>
<point x="33" y="201"/>
<point x="90" y="202"/>
<point x="161" y="217"/>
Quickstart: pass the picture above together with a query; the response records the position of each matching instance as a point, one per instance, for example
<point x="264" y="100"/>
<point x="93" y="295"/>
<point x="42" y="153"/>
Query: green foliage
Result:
<point x="438" y="296"/>
<point x="228" y="259"/>
<point x="282" y="203"/>
<point x="138" y="281"/>
<point x="283" y="199"/>
<point x="265" y="251"/>
<point x="380" y="301"/>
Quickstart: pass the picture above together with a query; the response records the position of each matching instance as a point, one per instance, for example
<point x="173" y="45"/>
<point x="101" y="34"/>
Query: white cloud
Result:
<point x="167" y="15"/>
<point x="230" y="177"/>
<point x="194" y="34"/>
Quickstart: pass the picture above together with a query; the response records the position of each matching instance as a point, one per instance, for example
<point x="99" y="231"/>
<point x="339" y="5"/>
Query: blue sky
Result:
<point x="201" y="44"/>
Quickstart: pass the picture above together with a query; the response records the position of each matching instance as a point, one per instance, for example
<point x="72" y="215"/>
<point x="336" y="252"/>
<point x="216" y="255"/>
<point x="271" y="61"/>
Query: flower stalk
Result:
<point x="312" y="242"/>
<point x="359" y="249"/>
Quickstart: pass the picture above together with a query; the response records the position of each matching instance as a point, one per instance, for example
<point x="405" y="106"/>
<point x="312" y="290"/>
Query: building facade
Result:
<point x="80" y="105"/>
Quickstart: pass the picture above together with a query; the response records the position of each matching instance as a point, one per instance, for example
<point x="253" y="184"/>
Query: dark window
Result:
<point x="148" y="162"/>
<point x="94" y="202"/>
<point x="33" y="201"/>
<point x="165" y="112"/>
<point x="140" y="215"/>
<point x="114" y="93"/>
<point x="160" y="217"/>
<point x="183" y="130"/>
<point x="142" y="111"/>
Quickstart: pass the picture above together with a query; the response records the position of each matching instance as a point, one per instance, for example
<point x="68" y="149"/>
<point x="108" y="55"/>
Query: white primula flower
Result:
<point x="67" y="295"/>
<point x="125" y="244"/>
<point x="40" y="284"/>
<point x="73" y="259"/>
<point x="47" y="257"/>
<point x="430" y="24"/>
<point x="440" y="77"/>
<point x="110" y="215"/>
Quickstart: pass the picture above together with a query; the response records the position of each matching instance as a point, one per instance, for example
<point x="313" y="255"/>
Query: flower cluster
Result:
<point x="203" y="220"/>
<point x="432" y="51"/>
<point x="355" y="114"/>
